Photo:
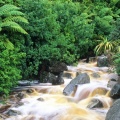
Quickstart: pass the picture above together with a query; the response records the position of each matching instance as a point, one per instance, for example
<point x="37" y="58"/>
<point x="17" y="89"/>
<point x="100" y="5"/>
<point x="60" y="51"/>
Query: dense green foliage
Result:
<point x="63" y="30"/>
<point x="10" y="56"/>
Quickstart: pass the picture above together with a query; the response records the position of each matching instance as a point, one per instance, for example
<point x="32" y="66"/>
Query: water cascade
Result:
<point x="87" y="102"/>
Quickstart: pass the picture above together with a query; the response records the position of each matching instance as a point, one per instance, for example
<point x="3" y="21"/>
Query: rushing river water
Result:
<point x="49" y="103"/>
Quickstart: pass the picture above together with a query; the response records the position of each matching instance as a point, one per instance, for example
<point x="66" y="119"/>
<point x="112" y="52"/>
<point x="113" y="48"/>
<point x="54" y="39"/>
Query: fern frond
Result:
<point x="13" y="27"/>
<point x="8" y="44"/>
<point x="16" y="19"/>
<point x="14" y="13"/>
<point x="7" y="8"/>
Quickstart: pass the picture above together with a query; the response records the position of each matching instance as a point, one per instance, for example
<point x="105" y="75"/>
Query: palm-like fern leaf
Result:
<point x="10" y="16"/>
<point x="13" y="13"/>
<point x="16" y="19"/>
<point x="7" y="8"/>
<point x="13" y="26"/>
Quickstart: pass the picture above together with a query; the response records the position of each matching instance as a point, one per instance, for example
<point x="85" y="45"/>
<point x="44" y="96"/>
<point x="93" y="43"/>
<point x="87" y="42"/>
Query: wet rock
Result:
<point x="53" y="72"/>
<point x="57" y="67"/>
<point x="67" y="75"/>
<point x="102" y="61"/>
<point x="52" y="78"/>
<point x="40" y="99"/>
<point x="80" y="79"/>
<point x="92" y="59"/>
<point x="115" y="92"/>
<point x="95" y="75"/>
<point x="13" y="113"/>
<point x="19" y="104"/>
<point x="95" y="103"/>
<point x="21" y="95"/>
<point x="113" y="76"/>
<point x="4" y="107"/>
<point x="104" y="69"/>
<point x="29" y="90"/>
<point x="55" y="80"/>
<point x="118" y="80"/>
<point x="78" y="73"/>
<point x="114" y="112"/>
<point x="111" y="83"/>
<point x="3" y="116"/>
<point x="60" y="78"/>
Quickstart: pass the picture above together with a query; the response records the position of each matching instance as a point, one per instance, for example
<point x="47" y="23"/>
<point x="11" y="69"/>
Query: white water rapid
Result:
<point x="49" y="103"/>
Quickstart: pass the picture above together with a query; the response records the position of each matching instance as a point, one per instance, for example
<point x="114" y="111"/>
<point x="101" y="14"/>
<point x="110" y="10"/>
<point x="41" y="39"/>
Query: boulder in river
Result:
<point x="115" y="92"/>
<point x="80" y="79"/>
<point x="11" y="112"/>
<point x="67" y="75"/>
<point x="95" y="103"/>
<point x="111" y="83"/>
<point x="114" y="112"/>
<point x="102" y="61"/>
<point x="56" y="67"/>
<point x="4" y="107"/>
<point x="95" y="75"/>
<point x="55" y="80"/>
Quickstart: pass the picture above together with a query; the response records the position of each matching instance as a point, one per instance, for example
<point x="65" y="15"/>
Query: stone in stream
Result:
<point x="51" y="78"/>
<point x="3" y="116"/>
<point x="95" y="103"/>
<point x="67" y="75"/>
<point x="95" y="75"/>
<point x="80" y="79"/>
<point x="111" y="83"/>
<point x="18" y="104"/>
<point x="57" y="66"/>
<point x="21" y="95"/>
<point x="114" y="112"/>
<point x="102" y="61"/>
<point x="115" y="92"/>
<point x="4" y="107"/>
<point x="11" y="112"/>
<point x="40" y="99"/>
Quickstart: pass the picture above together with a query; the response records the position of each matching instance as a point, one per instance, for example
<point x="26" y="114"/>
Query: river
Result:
<point x="47" y="102"/>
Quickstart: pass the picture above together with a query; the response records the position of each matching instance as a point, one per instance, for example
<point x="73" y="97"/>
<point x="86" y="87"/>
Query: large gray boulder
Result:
<point x="56" y="67"/>
<point x="111" y="83"/>
<point x="80" y="79"/>
<point x="115" y="92"/>
<point x="51" y="78"/>
<point x="102" y="61"/>
<point x="114" y="111"/>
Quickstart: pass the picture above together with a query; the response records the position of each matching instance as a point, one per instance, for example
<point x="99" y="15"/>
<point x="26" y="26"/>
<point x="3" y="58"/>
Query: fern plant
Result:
<point x="10" y="17"/>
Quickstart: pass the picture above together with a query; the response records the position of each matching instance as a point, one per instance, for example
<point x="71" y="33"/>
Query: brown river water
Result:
<point x="47" y="102"/>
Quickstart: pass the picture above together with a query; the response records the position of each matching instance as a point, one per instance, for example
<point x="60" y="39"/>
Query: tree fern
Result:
<point x="6" y="8"/>
<point x="16" y="19"/>
<point x="10" y="17"/>
<point x="12" y="26"/>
